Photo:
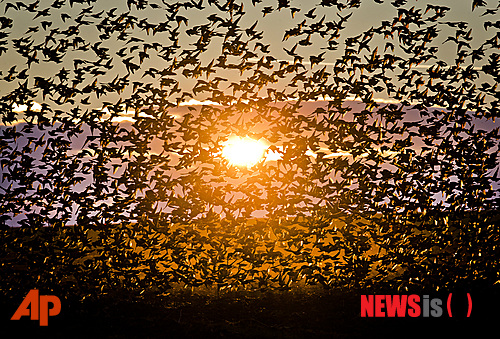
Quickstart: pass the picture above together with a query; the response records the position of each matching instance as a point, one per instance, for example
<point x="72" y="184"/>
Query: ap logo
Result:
<point x="37" y="307"/>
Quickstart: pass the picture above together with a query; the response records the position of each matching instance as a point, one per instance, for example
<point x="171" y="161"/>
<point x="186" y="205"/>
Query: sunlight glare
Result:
<point x="244" y="151"/>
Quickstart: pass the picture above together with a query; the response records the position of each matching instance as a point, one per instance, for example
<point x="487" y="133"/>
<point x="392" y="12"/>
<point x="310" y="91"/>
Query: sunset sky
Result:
<point x="370" y="14"/>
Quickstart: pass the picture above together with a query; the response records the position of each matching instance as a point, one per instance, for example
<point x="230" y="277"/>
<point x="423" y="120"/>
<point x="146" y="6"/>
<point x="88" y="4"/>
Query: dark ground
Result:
<point x="311" y="314"/>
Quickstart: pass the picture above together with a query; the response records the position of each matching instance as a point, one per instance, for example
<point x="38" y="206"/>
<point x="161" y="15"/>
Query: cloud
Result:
<point x="194" y="102"/>
<point x="21" y="108"/>
<point x="35" y="107"/>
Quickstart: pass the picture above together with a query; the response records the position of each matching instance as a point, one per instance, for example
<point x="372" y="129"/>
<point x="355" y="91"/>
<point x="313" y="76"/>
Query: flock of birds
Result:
<point x="148" y="58"/>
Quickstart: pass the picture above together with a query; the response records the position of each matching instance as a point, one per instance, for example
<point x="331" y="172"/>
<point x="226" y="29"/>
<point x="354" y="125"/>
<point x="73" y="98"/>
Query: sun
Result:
<point x="244" y="151"/>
